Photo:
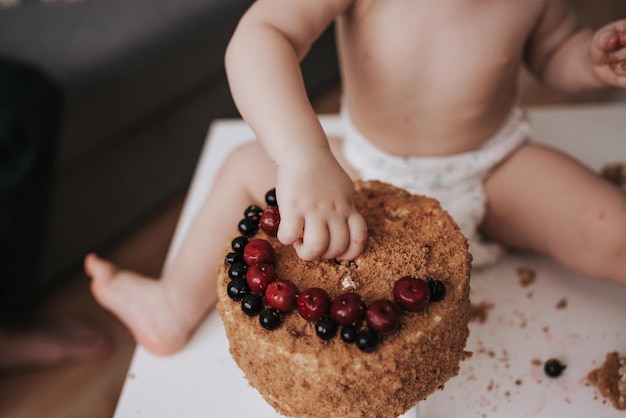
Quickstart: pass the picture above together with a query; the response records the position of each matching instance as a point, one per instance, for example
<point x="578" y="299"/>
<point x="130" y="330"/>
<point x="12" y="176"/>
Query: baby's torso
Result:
<point x="425" y="77"/>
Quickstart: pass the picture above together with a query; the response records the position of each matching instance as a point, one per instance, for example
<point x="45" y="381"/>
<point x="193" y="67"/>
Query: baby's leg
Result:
<point x="540" y="199"/>
<point x="162" y="314"/>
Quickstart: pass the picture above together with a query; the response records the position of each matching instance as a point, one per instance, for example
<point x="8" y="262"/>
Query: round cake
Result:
<point x="307" y="365"/>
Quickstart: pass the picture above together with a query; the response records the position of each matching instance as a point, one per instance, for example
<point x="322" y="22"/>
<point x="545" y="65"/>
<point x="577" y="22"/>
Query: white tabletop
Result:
<point x="561" y="314"/>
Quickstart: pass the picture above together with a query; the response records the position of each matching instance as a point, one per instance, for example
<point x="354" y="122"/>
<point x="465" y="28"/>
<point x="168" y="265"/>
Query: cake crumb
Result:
<point x="610" y="379"/>
<point x="479" y="311"/>
<point x="614" y="173"/>
<point x="526" y="276"/>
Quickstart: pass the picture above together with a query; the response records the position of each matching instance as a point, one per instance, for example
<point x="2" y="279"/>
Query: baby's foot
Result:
<point x="143" y="304"/>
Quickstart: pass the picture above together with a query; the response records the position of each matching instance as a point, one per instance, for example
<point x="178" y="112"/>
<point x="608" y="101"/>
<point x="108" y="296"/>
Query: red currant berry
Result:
<point x="258" y="251"/>
<point x="259" y="276"/>
<point x="411" y="294"/>
<point x="270" y="219"/>
<point x="347" y="309"/>
<point x="282" y="295"/>
<point x="313" y="304"/>
<point x="383" y="317"/>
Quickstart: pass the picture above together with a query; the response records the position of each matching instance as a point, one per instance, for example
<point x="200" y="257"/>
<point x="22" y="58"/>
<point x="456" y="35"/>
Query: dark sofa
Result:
<point x="104" y="106"/>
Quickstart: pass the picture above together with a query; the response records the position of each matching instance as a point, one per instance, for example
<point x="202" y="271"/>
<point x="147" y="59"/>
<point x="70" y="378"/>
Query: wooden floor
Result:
<point x="89" y="389"/>
<point x="92" y="389"/>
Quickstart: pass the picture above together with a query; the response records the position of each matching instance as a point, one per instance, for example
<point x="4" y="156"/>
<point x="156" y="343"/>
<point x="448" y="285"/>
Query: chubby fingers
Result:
<point x="358" y="237"/>
<point x="609" y="43"/>
<point x="338" y="238"/>
<point x="609" y="54"/>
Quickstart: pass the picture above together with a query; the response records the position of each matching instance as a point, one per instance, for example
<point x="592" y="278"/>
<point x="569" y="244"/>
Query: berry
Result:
<point x="270" y="219"/>
<point x="237" y="289"/>
<point x="325" y="328"/>
<point x="259" y="276"/>
<point x="251" y="304"/>
<point x="313" y="304"/>
<point x="270" y="197"/>
<point x="367" y="340"/>
<point x="270" y="318"/>
<point x="237" y="271"/>
<point x="383" y="317"/>
<point x="349" y="334"/>
<point x="239" y="243"/>
<point x="437" y="290"/>
<point x="248" y="226"/>
<point x="253" y="211"/>
<point x="282" y="295"/>
<point x="553" y="368"/>
<point x="258" y="251"/>
<point x="411" y="294"/>
<point x="347" y="309"/>
<point x="232" y="258"/>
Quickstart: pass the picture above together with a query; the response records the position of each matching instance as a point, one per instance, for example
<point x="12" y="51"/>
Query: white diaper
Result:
<point x="457" y="181"/>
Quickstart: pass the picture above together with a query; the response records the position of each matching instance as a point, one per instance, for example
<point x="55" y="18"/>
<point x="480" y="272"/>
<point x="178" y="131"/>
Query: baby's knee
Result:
<point x="250" y="168"/>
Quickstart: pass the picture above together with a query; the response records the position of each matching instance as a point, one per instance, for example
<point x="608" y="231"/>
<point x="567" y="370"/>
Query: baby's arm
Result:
<point x="315" y="194"/>
<point x="570" y="57"/>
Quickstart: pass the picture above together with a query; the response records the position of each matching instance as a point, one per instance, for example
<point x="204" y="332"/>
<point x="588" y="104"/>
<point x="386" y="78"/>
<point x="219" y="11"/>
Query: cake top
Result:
<point x="412" y="243"/>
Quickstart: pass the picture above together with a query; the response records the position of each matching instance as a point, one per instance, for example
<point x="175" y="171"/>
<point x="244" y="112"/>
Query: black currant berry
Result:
<point x="437" y="290"/>
<point x="553" y="368"/>
<point x="348" y="334"/>
<point x="237" y="271"/>
<point x="248" y="226"/>
<point x="325" y="328"/>
<point x="270" y="198"/>
<point x="367" y="340"/>
<point x="232" y="258"/>
<point x="239" y="244"/>
<point x="237" y="289"/>
<point x="251" y="304"/>
<point x="253" y="211"/>
<point x="270" y="318"/>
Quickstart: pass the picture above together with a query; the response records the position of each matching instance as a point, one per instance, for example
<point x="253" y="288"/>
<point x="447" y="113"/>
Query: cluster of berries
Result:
<point x="254" y="283"/>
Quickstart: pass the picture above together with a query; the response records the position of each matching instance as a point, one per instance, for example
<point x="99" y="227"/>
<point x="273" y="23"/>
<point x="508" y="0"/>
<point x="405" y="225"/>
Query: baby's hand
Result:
<point x="317" y="211"/>
<point x="608" y="53"/>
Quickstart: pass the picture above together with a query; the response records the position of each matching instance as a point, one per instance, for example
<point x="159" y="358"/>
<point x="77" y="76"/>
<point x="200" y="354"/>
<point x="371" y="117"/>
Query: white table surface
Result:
<point x="526" y="325"/>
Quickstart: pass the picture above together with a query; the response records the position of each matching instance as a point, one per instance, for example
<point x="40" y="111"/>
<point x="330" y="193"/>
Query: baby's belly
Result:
<point x="429" y="133"/>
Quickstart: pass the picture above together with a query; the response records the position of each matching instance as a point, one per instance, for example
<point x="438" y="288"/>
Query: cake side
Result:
<point x="300" y="374"/>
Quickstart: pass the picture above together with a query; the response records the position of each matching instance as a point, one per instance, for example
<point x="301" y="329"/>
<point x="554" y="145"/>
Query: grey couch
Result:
<point x="104" y="106"/>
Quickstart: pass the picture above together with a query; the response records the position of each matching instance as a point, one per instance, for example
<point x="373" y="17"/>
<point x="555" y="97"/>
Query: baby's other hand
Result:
<point x="318" y="216"/>
<point x="608" y="53"/>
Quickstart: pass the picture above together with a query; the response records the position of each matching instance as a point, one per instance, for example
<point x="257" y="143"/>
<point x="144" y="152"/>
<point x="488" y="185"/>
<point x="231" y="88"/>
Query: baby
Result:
<point x="429" y="104"/>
